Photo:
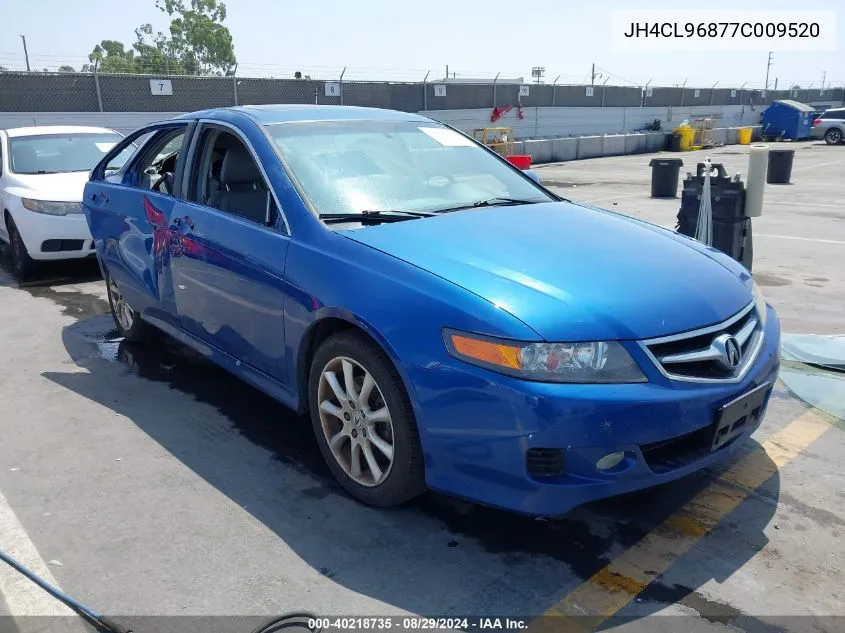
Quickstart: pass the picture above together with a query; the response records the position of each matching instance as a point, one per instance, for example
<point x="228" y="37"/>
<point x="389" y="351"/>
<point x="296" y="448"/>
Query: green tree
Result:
<point x="111" y="56"/>
<point x="197" y="36"/>
<point x="197" y="43"/>
<point x="67" y="69"/>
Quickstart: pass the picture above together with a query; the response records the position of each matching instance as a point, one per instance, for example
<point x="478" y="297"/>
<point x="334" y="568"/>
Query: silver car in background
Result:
<point x="830" y="126"/>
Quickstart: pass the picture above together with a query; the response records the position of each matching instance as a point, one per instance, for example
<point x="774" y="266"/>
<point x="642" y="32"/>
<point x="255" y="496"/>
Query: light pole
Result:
<point x="768" y="66"/>
<point x="25" y="53"/>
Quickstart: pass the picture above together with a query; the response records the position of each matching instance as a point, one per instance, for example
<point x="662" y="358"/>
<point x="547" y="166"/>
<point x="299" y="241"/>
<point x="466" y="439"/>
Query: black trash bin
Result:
<point x="675" y="143"/>
<point x="780" y="166"/>
<point x="664" y="177"/>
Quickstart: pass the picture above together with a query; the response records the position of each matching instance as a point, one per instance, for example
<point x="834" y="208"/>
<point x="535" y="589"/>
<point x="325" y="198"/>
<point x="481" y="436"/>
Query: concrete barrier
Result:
<point x="581" y="147"/>
<point x="589" y="147"/>
<point x="655" y="141"/>
<point x="540" y="150"/>
<point x="635" y="143"/>
<point x="613" y="145"/>
<point x="564" y="149"/>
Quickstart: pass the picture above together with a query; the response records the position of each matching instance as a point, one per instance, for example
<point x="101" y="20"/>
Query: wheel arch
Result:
<point x="327" y="324"/>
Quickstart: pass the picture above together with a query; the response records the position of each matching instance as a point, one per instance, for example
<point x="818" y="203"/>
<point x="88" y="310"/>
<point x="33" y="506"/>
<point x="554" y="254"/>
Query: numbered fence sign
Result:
<point x="589" y="91"/>
<point x="332" y="88"/>
<point x="733" y="93"/>
<point x="161" y="87"/>
<point x="697" y="93"/>
<point x="649" y="92"/>
<point x="524" y="91"/>
<point x="440" y="90"/>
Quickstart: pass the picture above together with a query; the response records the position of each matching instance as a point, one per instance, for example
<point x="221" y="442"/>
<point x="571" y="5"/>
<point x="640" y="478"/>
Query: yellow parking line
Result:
<point x="616" y="584"/>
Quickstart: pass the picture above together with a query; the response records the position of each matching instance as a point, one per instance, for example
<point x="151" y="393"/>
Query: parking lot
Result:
<point x="147" y="482"/>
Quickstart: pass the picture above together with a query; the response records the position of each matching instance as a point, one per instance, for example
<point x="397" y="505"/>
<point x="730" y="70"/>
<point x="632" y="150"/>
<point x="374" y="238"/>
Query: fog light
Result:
<point x="609" y="461"/>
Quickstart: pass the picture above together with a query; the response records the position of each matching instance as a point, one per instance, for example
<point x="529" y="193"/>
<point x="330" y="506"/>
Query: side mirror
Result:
<point x="532" y="175"/>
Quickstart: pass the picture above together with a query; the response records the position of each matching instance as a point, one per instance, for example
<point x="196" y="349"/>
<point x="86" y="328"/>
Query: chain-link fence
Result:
<point x="98" y="92"/>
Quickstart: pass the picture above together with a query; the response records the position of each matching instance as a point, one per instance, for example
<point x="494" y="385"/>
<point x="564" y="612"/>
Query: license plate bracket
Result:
<point x="737" y="416"/>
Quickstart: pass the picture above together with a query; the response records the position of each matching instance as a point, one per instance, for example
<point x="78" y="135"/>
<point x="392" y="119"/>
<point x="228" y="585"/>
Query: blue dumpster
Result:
<point x="787" y="119"/>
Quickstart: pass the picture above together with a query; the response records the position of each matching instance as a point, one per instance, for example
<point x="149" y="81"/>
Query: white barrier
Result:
<point x="540" y="150"/>
<point x="635" y="144"/>
<point x="589" y="147"/>
<point x="613" y="145"/>
<point x="564" y="149"/>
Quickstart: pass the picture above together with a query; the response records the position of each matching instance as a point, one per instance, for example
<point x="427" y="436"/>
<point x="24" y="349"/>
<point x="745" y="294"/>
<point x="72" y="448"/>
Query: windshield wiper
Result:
<point x="373" y="217"/>
<point x="489" y="202"/>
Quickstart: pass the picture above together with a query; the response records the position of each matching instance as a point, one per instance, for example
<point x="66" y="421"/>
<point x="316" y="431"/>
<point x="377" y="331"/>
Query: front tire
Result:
<point x="23" y="264"/>
<point x="125" y="318"/>
<point x="364" y="422"/>
<point x="833" y="136"/>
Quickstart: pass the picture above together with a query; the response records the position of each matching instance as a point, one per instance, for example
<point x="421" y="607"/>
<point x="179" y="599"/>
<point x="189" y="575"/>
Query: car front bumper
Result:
<point x="51" y="237"/>
<point x="477" y="429"/>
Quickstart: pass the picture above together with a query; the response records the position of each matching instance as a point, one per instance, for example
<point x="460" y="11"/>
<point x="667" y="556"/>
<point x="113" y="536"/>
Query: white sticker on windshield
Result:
<point x="447" y="137"/>
<point x="104" y="147"/>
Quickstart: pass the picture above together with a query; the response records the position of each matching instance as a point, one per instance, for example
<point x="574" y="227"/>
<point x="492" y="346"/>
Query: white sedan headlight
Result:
<point x="49" y="207"/>
<point x="581" y="362"/>
<point x="759" y="302"/>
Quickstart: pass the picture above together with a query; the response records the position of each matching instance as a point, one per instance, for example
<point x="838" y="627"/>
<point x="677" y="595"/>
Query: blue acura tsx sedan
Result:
<point x="445" y="321"/>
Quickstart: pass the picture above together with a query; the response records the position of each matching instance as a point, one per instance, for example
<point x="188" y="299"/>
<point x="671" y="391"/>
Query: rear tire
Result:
<point x="358" y="404"/>
<point x="833" y="136"/>
<point x="128" y="321"/>
<point x="23" y="264"/>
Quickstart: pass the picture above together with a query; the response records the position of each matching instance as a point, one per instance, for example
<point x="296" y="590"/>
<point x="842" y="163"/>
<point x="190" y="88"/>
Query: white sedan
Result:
<point x="42" y="174"/>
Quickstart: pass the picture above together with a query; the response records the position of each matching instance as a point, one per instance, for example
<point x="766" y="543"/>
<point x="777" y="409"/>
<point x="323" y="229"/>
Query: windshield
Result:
<point x="356" y="166"/>
<point x="55" y="153"/>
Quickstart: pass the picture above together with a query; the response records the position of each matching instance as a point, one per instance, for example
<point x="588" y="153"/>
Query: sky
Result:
<point x="402" y="41"/>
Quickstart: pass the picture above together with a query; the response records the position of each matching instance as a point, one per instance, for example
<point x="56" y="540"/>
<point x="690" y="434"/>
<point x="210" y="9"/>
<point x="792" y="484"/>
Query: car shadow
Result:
<point x="498" y="563"/>
<point x="48" y="276"/>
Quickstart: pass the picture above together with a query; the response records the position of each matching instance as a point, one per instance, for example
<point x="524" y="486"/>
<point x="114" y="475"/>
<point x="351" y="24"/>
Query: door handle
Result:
<point x="183" y="221"/>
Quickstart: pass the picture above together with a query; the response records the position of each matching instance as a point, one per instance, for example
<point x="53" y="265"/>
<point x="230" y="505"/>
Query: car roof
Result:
<point x="294" y="112"/>
<point x="56" y="129"/>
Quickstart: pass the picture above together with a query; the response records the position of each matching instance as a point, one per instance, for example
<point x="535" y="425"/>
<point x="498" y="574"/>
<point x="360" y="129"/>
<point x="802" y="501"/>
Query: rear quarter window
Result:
<point x="834" y="114"/>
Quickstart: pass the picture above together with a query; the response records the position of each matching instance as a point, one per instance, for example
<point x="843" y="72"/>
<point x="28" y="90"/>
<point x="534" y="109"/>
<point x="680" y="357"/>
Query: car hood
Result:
<point x="64" y="187"/>
<point x="571" y="272"/>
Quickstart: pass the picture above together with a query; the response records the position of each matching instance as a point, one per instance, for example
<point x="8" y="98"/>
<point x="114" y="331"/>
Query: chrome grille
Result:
<point x="719" y="353"/>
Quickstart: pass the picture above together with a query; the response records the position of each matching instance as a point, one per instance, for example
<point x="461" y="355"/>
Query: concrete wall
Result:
<point x="123" y="122"/>
<point x="589" y="147"/>
<point x="613" y="145"/>
<point x="635" y="143"/>
<point x="578" y="121"/>
<point x="564" y="149"/>
<point x="538" y="122"/>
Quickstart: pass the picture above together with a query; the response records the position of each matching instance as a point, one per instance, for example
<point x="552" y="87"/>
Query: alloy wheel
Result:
<point x="123" y="313"/>
<point x="356" y="421"/>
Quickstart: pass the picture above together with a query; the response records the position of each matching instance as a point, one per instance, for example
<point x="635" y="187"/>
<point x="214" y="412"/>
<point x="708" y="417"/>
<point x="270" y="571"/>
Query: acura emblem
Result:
<point x="730" y="353"/>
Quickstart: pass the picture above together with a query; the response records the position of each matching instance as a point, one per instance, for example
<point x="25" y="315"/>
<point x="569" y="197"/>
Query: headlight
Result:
<point x="51" y="208"/>
<point x="592" y="362"/>
<point x="759" y="302"/>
